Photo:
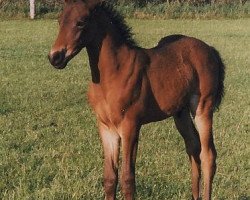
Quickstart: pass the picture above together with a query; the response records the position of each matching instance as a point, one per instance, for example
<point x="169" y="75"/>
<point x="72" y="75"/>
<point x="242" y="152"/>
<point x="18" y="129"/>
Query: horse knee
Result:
<point x="110" y="185"/>
<point x="128" y="184"/>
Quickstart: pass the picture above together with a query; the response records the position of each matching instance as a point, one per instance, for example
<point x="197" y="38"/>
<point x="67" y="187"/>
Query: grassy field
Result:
<point x="49" y="144"/>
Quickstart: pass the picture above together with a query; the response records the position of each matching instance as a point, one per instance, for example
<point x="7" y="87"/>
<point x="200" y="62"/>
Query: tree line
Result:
<point x="131" y="8"/>
<point x="56" y="3"/>
<point x="193" y="2"/>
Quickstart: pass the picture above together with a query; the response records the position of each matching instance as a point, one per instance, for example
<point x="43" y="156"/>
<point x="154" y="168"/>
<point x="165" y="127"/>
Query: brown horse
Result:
<point x="131" y="86"/>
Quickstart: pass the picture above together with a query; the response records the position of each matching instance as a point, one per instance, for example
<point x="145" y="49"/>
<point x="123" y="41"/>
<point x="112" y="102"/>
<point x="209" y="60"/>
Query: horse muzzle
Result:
<point x="58" y="59"/>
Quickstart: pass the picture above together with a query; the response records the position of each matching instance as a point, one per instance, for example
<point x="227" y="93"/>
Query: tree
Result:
<point x="32" y="9"/>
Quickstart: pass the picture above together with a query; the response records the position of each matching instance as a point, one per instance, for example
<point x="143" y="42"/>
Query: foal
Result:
<point x="131" y="86"/>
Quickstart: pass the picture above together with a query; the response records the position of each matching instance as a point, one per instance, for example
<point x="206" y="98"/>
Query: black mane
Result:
<point x="126" y="36"/>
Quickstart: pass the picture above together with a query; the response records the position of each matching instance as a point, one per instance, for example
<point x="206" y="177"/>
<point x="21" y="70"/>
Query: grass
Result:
<point x="49" y="144"/>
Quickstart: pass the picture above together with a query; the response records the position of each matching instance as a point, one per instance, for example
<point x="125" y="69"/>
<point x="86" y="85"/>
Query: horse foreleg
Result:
<point x="111" y="143"/>
<point x="186" y="128"/>
<point x="129" y="137"/>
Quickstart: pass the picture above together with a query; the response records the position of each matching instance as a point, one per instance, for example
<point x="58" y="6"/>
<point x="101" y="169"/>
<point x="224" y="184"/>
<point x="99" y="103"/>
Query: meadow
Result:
<point x="49" y="144"/>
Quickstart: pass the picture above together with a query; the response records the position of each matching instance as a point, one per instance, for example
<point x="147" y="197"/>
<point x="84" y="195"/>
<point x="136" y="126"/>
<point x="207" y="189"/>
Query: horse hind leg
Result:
<point x="189" y="133"/>
<point x="203" y="120"/>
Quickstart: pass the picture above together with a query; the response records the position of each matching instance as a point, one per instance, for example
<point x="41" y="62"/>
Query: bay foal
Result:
<point x="131" y="86"/>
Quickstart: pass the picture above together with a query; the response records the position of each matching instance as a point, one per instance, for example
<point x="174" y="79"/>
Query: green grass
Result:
<point x="49" y="144"/>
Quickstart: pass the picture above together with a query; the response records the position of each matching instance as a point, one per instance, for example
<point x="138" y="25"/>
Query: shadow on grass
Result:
<point x="160" y="188"/>
<point x="5" y="111"/>
<point x="244" y="197"/>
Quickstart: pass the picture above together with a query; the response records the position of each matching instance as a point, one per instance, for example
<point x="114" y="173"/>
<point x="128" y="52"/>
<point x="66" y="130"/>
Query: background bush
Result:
<point x="139" y="8"/>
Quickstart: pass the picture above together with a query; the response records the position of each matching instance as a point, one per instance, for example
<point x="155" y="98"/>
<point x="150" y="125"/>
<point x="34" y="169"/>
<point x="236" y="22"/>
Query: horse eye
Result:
<point x="80" y="24"/>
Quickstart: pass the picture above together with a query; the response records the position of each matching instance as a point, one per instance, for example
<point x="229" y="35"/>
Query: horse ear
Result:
<point x="92" y="3"/>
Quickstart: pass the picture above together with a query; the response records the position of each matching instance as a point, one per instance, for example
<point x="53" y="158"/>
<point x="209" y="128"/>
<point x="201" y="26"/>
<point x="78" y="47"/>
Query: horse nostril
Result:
<point x="56" y="58"/>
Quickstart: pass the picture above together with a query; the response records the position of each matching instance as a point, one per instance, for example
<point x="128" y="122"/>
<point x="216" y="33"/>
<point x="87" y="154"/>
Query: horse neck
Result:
<point x="106" y="58"/>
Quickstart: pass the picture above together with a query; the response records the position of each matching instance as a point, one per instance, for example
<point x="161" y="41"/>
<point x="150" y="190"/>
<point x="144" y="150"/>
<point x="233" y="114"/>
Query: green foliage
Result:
<point x="17" y="9"/>
<point x="139" y="9"/>
<point x="186" y="11"/>
<point x="49" y="144"/>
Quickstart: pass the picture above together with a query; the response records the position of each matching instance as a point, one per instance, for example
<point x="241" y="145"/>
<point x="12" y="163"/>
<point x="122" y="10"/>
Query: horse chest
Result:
<point x="109" y="108"/>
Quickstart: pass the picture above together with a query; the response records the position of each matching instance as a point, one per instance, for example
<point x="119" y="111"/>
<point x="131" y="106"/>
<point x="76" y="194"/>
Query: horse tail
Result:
<point x="221" y="76"/>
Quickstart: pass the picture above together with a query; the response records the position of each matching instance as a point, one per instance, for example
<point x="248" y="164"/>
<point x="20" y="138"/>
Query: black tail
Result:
<point x="220" y="89"/>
